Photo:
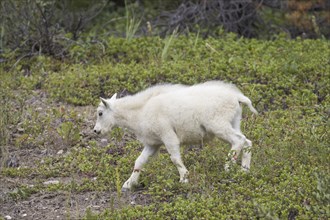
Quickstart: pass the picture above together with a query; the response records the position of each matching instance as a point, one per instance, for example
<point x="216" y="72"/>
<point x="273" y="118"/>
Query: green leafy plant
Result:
<point x="22" y="192"/>
<point x="118" y="182"/>
<point x="132" y="22"/>
<point x="4" y="134"/>
<point x="322" y="196"/>
<point x="168" y="43"/>
<point x="69" y="132"/>
<point x="288" y="86"/>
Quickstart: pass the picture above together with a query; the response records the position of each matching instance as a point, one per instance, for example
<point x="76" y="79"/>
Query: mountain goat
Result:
<point x="171" y="115"/>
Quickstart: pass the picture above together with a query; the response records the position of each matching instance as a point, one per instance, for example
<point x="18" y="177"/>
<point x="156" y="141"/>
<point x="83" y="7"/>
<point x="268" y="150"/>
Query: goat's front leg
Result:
<point x="147" y="152"/>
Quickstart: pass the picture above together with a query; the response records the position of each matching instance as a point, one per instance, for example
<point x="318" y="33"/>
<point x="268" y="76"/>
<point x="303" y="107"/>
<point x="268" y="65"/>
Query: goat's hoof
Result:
<point x="245" y="169"/>
<point x="227" y="167"/>
<point x="126" y="187"/>
<point x="184" y="181"/>
<point x="125" y="190"/>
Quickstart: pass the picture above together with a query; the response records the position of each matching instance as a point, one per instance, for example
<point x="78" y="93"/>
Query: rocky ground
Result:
<point x="27" y="154"/>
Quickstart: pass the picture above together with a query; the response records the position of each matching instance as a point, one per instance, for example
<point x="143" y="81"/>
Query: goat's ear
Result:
<point x="105" y="102"/>
<point x="114" y="96"/>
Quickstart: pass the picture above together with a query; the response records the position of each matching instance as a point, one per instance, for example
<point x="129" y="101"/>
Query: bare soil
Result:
<point x="52" y="204"/>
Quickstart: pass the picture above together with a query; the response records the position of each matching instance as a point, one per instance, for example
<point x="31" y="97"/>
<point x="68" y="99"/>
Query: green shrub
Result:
<point x="288" y="82"/>
<point x="277" y="74"/>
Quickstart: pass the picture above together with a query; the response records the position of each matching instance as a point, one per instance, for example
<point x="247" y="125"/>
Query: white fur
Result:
<point x="171" y="115"/>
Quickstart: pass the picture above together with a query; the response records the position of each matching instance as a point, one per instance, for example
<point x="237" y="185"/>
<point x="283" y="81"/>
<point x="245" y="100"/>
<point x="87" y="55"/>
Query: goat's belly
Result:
<point x="151" y="140"/>
<point x="194" y="136"/>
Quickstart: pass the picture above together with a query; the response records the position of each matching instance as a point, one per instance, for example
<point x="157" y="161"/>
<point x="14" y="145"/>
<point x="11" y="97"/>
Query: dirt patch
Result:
<point x="59" y="205"/>
<point x="62" y="204"/>
<point x="30" y="144"/>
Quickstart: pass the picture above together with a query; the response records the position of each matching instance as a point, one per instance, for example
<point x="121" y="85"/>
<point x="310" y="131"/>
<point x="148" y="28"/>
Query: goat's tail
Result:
<point x="243" y="99"/>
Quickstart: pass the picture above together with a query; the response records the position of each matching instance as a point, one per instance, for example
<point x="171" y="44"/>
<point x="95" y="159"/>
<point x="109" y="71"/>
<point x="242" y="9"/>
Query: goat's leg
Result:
<point x="230" y="132"/>
<point x="172" y="145"/>
<point x="234" y="152"/>
<point x="236" y="121"/>
<point x="174" y="151"/>
<point x="147" y="152"/>
<point x="246" y="157"/>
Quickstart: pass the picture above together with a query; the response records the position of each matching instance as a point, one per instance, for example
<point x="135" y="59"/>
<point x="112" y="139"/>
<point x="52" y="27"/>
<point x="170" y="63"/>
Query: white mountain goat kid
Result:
<point x="171" y="115"/>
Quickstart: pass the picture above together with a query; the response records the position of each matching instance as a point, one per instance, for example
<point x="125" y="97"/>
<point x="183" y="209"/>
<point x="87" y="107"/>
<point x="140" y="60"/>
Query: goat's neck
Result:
<point x="127" y="116"/>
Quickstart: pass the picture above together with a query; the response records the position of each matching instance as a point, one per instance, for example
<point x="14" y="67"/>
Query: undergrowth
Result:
<point x="288" y="82"/>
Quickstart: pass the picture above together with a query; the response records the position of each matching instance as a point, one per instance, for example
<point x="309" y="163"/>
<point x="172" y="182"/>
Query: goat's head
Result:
<point x="105" y="116"/>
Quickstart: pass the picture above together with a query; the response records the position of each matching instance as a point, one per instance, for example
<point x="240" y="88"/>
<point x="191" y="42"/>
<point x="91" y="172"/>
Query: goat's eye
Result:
<point x="100" y="113"/>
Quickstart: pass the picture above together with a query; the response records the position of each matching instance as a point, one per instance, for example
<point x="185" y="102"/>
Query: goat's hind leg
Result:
<point x="172" y="145"/>
<point x="246" y="157"/>
<point x="237" y="142"/>
<point x="233" y="136"/>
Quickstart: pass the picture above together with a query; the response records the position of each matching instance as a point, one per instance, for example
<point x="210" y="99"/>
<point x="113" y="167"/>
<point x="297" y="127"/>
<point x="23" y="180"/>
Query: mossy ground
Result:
<point x="48" y="111"/>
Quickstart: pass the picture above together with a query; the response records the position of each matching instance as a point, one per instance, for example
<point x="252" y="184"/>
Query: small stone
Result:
<point x="12" y="161"/>
<point x="20" y="130"/>
<point x="96" y="206"/>
<point x="8" y="217"/>
<point x="60" y="152"/>
<point x="24" y="215"/>
<point x="51" y="182"/>
<point x="104" y="142"/>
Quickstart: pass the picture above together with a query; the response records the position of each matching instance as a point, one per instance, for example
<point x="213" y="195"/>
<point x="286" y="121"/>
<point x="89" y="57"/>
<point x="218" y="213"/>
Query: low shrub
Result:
<point x="288" y="82"/>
